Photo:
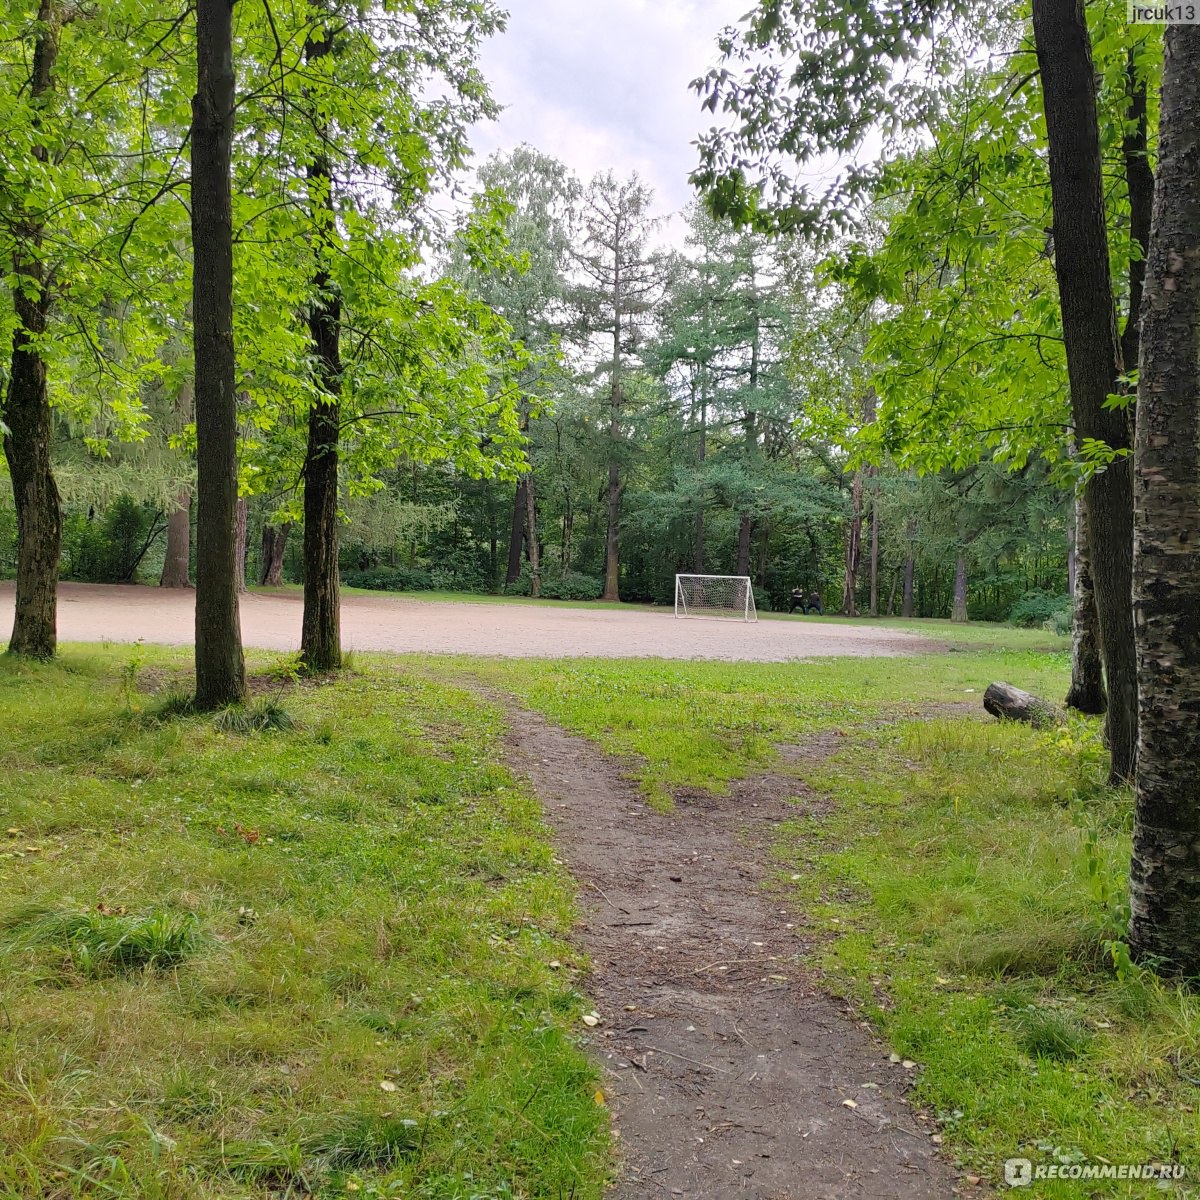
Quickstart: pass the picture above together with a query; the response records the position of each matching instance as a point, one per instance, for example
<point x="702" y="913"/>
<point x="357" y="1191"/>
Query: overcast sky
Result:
<point x="604" y="83"/>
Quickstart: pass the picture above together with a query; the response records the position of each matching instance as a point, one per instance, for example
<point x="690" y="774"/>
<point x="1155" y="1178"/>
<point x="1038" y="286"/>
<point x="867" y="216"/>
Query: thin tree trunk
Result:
<point x="26" y="407"/>
<point x="701" y="457"/>
<point x="612" y="547"/>
<point x="1139" y="181"/>
<point x="220" y="665"/>
<point x="906" y="605"/>
<point x="517" y="534"/>
<point x="1072" y="551"/>
<point x="531" y="541"/>
<point x="568" y="532"/>
<point x="176" y="571"/>
<point x="612" y="542"/>
<point x="874" y="541"/>
<point x="1087" y="675"/>
<point x="321" y="631"/>
<point x="1164" y="894"/>
<point x="959" y="612"/>
<point x="241" y="523"/>
<point x="274" y="543"/>
<point x="745" y="528"/>
<point x="853" y="548"/>
<point x="1092" y="350"/>
<point x="891" y="604"/>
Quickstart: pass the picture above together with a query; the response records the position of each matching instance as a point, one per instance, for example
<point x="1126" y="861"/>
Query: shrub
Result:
<point x="1035" y="608"/>
<point x="109" y="548"/>
<point x="572" y="586"/>
<point x="390" y="579"/>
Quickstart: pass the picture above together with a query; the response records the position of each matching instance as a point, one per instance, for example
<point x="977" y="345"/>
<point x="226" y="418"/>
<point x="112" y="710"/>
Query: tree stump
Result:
<point x="1011" y="704"/>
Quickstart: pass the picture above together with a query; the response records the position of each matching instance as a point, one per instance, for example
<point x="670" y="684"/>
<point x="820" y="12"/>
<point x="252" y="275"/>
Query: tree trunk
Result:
<point x="906" y="605"/>
<point x="26" y="407"/>
<point x="220" y="665"/>
<point x="853" y="548"/>
<point x="531" y="541"/>
<point x="959" y="613"/>
<point x="1073" y="526"/>
<point x="874" y="541"/>
<point x="612" y="548"/>
<point x="274" y="543"/>
<point x="1139" y="181"/>
<point x="1092" y="350"/>
<point x="568" y="532"/>
<point x="1165" y="873"/>
<point x="241" y="521"/>
<point x="176" y="572"/>
<point x="516" y="536"/>
<point x="1087" y="673"/>
<point x="745" y="528"/>
<point x="321" y="631"/>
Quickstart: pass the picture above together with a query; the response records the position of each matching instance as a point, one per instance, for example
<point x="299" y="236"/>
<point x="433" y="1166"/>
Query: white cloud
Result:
<point x="603" y="84"/>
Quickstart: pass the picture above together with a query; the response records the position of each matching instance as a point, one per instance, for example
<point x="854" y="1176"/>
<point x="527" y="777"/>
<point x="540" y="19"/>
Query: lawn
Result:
<point x="325" y="960"/>
<point x="963" y="881"/>
<point x="329" y="957"/>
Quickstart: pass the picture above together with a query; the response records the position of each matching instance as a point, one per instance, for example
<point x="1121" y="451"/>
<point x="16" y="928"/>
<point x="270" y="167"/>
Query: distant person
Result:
<point x="814" y="604"/>
<point x="797" y="601"/>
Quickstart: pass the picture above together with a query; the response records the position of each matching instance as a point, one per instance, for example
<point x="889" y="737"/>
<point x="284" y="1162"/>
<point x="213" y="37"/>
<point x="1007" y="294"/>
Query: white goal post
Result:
<point x="728" y="597"/>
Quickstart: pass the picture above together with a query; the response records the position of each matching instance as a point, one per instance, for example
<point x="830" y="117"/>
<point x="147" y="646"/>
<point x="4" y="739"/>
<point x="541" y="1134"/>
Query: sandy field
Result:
<point x="92" y="613"/>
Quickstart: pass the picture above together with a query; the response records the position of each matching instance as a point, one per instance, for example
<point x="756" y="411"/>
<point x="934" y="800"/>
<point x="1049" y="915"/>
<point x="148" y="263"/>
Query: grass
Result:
<point x="964" y="889"/>
<point x="301" y="949"/>
<point x="702" y="724"/>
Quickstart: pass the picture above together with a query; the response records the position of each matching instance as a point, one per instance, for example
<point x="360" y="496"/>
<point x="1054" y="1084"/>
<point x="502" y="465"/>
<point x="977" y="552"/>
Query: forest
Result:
<point x="291" y="917"/>
<point x="539" y="394"/>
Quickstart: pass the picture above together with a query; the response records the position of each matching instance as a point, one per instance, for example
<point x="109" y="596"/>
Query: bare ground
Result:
<point x="90" y="613"/>
<point x="729" y="1072"/>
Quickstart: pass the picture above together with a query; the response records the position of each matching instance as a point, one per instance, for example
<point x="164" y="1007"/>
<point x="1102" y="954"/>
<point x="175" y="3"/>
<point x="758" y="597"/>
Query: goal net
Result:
<point x="725" y="596"/>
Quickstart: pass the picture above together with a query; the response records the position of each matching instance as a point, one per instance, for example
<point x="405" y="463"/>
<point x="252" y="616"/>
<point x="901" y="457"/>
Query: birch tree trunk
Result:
<point x="1165" y="872"/>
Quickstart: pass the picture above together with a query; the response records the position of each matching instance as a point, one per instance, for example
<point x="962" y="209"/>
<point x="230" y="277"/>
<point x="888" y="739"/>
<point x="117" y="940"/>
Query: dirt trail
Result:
<point x="726" y="1068"/>
<point x="271" y="621"/>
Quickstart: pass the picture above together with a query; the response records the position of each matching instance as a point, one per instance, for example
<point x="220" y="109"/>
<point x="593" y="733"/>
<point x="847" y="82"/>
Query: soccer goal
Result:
<point x="729" y="597"/>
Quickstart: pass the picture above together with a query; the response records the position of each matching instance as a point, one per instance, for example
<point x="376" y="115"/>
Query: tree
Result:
<point x="542" y="195"/>
<point x="220" y="665"/>
<point x="26" y="411"/>
<point x="621" y="278"/>
<point x="83" y="102"/>
<point x="1091" y="345"/>
<point x="1165" y="873"/>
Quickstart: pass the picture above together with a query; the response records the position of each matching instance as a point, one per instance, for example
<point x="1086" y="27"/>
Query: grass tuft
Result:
<point x="259" y="717"/>
<point x="1043" y="1033"/>
<point x="99" y="942"/>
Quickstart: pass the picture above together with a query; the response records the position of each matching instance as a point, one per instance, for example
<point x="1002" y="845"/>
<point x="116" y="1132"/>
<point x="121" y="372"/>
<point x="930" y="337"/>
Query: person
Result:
<point x="797" y="601"/>
<point x="814" y="604"/>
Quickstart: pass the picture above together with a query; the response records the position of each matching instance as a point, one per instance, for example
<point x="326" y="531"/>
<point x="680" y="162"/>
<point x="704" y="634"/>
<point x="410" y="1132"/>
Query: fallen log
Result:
<point x="1011" y="704"/>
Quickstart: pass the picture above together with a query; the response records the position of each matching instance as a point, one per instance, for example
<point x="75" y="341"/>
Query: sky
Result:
<point x="603" y="84"/>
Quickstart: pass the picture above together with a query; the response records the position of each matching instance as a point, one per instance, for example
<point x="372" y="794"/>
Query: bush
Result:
<point x="390" y="579"/>
<point x="1034" y="609"/>
<point x="572" y="586"/>
<point x="110" y="548"/>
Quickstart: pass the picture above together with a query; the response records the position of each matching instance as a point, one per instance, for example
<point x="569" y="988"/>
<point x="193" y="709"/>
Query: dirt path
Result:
<point x="728" y="1072"/>
<point x="271" y="621"/>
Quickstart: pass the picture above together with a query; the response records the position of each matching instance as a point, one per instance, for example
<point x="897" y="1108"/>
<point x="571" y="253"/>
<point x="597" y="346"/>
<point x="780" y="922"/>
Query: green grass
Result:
<point x="963" y="889"/>
<point x="702" y="724"/>
<point x="300" y="953"/>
